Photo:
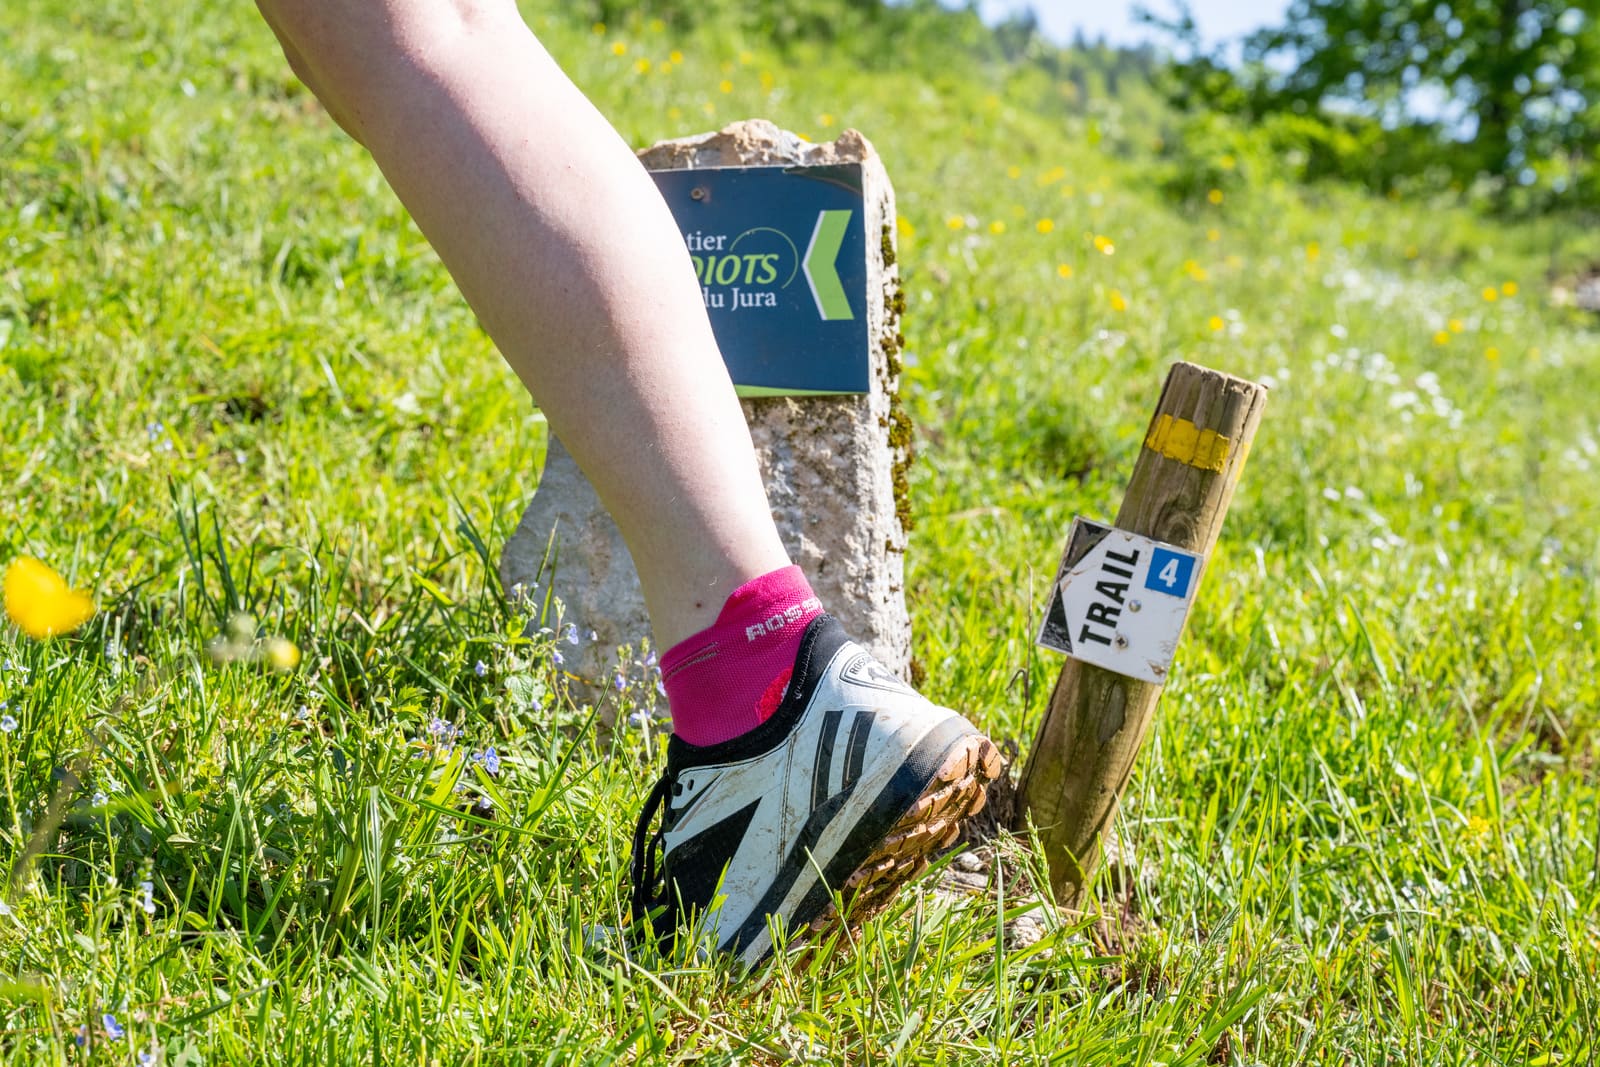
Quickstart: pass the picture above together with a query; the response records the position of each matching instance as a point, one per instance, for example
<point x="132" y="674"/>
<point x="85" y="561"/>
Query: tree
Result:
<point x="1506" y="87"/>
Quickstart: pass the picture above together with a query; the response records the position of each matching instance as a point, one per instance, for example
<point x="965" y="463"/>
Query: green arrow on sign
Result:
<point x="820" y="270"/>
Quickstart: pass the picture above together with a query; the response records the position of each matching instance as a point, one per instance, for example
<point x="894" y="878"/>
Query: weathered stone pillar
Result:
<point x="835" y="466"/>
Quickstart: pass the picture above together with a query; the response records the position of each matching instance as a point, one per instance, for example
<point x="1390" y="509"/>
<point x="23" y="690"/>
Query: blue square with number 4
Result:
<point x="1170" y="572"/>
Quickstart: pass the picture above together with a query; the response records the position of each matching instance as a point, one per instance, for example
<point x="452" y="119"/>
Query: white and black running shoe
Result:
<point x="850" y="786"/>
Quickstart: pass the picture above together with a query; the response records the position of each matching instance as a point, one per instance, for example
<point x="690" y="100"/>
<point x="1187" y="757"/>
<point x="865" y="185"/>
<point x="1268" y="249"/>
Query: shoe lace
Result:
<point x="649" y="876"/>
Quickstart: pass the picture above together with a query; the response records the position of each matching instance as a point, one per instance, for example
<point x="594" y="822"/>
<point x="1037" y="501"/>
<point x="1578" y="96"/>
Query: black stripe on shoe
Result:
<point x="856" y="749"/>
<point x="908" y="783"/>
<point x="824" y="762"/>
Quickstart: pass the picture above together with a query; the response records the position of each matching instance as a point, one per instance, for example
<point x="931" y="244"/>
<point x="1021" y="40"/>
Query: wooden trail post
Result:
<point x="1179" y="493"/>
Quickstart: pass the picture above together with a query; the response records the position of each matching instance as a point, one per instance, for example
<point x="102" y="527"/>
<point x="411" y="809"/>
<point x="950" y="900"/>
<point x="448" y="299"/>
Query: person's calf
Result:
<point x="359" y="56"/>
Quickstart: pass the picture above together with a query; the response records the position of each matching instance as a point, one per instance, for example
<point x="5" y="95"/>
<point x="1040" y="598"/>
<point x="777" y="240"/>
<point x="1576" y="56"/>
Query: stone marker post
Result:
<point x="835" y="466"/>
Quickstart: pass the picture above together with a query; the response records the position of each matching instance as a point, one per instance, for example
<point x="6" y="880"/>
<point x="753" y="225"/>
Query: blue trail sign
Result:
<point x="781" y="255"/>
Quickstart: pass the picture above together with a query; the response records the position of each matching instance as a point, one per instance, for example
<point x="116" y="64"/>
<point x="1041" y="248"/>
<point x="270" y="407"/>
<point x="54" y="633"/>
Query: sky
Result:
<point x="1219" y="20"/>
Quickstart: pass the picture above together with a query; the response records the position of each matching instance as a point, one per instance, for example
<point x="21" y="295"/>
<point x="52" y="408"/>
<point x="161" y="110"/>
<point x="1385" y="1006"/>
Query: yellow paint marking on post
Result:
<point x="1185" y="442"/>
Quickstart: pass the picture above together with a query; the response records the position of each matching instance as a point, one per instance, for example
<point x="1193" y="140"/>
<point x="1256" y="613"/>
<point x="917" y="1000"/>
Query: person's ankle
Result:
<point x="729" y="678"/>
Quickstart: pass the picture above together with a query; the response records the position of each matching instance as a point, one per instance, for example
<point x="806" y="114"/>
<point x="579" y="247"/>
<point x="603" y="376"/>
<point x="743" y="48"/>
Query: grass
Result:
<point x="233" y="380"/>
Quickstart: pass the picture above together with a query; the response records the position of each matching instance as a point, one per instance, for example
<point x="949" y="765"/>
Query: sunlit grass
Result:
<point x="240" y="403"/>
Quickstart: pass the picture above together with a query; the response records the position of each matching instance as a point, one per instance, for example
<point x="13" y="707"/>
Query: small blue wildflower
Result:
<point x="660" y="688"/>
<point x="490" y="760"/>
<point x="114" y="1030"/>
<point x="147" y="1058"/>
<point x="556" y="657"/>
<point x="154" y="429"/>
<point x="442" y="730"/>
<point x="650" y="660"/>
<point x="572" y="634"/>
<point x="480" y="668"/>
<point x="620" y="682"/>
<point x="8" y="722"/>
<point x="99" y="799"/>
<point x="484" y="804"/>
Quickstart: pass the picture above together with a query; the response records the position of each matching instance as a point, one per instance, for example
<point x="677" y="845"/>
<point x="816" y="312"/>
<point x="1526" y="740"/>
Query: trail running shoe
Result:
<point x="851" y="785"/>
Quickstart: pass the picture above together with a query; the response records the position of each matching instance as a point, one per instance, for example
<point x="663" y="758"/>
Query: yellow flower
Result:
<point x="825" y="119"/>
<point x="1228" y="162"/>
<point x="1103" y="245"/>
<point x="676" y="56"/>
<point x="1456" y="326"/>
<point x="41" y="602"/>
<point x="745" y="59"/>
<point x="1313" y="252"/>
<point x="599" y="29"/>
<point x="1492" y="354"/>
<point x="1053" y="175"/>
<point x="642" y="66"/>
<point x="1490" y="293"/>
<point x="1195" y="270"/>
<point x="767" y="81"/>
<point x="1013" y="172"/>
<point x="1216" y="323"/>
<point x="997" y="226"/>
<point x="1045" y="225"/>
<point x="956" y="222"/>
<point x="1069" y="191"/>
<point x="1118" y="301"/>
<point x="1508" y="289"/>
<point x="903" y="224"/>
<point x="1215" y="196"/>
<point x="674" y="113"/>
<point x="709" y="108"/>
<point x="1213" y="235"/>
<point x="1411" y="252"/>
<point x="1064" y="269"/>
<point x="725" y="86"/>
<point x="619" y="48"/>
<point x="1441" y="338"/>
<point x="658" y="26"/>
<point x="665" y="68"/>
<point x="281" y="653"/>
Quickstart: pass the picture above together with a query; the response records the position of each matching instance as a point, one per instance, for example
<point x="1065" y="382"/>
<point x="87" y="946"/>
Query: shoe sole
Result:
<point x="932" y="823"/>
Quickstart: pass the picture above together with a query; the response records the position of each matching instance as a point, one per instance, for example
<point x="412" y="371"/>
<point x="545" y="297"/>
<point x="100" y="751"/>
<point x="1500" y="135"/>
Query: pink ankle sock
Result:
<point x="730" y="677"/>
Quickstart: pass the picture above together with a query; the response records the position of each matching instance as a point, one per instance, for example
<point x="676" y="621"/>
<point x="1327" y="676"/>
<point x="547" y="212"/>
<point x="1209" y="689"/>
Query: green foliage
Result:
<point x="1504" y="89"/>
<point x="234" y="380"/>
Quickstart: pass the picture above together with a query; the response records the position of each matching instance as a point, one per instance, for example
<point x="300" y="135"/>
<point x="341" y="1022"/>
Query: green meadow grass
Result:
<point x="234" y="380"/>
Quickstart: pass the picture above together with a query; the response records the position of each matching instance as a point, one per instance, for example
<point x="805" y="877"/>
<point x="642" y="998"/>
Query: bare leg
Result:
<point x="561" y="244"/>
